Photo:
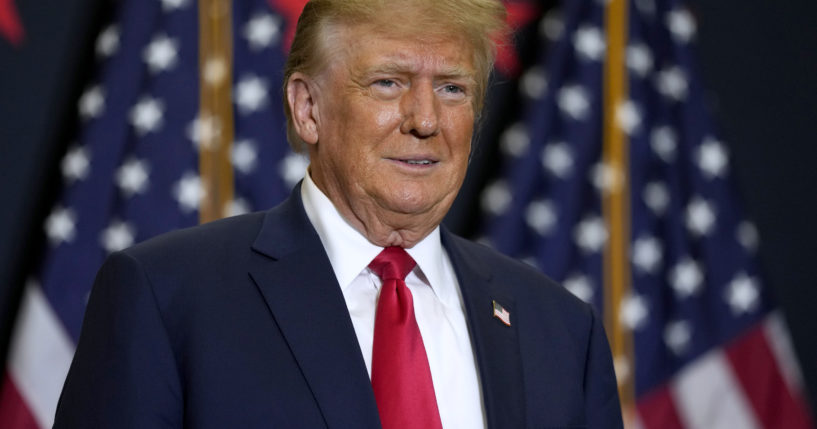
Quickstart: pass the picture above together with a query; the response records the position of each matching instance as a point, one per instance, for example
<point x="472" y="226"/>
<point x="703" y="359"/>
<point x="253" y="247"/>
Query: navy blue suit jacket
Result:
<point x="240" y="323"/>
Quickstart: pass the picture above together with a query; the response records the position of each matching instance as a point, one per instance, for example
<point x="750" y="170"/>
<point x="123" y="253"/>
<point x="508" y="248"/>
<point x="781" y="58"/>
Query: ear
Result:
<point x="301" y="97"/>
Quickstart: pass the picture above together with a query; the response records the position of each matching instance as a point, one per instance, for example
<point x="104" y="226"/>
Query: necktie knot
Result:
<point x="393" y="263"/>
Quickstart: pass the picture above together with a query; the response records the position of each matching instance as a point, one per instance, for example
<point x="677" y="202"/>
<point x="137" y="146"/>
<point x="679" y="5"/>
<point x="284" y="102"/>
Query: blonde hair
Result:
<point x="481" y="23"/>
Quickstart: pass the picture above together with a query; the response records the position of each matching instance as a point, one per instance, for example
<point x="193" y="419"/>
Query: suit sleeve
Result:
<point x="124" y="373"/>
<point x="602" y="406"/>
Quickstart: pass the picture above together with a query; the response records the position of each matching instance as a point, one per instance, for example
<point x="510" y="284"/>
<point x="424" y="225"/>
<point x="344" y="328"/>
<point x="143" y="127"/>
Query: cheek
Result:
<point x="459" y="127"/>
<point x="368" y="119"/>
<point x="385" y="118"/>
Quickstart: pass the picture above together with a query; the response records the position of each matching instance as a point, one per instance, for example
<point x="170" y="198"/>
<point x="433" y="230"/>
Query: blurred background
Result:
<point x="105" y="108"/>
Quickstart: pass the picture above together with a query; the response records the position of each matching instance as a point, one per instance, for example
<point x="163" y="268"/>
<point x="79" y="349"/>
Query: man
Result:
<point x="347" y="306"/>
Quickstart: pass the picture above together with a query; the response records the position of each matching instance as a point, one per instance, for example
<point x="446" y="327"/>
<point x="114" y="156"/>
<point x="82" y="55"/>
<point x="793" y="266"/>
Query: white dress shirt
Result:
<point x="438" y="306"/>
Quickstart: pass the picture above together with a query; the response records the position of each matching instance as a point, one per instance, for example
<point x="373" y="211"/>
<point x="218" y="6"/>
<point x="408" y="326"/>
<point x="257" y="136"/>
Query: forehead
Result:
<point x="363" y="48"/>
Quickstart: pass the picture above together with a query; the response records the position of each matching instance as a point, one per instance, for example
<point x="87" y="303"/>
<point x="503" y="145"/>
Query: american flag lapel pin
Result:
<point x="500" y="313"/>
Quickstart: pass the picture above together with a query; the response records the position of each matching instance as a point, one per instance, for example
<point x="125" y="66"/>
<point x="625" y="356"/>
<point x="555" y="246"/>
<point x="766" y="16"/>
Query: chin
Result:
<point x="417" y="204"/>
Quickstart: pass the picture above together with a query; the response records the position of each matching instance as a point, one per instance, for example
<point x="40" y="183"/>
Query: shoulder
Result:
<point x="213" y="237"/>
<point x="194" y="257"/>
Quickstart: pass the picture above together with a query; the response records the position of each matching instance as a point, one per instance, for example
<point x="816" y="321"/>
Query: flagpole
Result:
<point x="616" y="201"/>
<point x="215" y="121"/>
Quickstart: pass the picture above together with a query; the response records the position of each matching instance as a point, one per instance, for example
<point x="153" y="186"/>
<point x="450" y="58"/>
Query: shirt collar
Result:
<point x="350" y="252"/>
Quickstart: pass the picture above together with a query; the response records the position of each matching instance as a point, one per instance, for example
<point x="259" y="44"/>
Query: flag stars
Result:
<point x="132" y="177"/>
<point x="534" y="83"/>
<point x="747" y="236"/>
<point x="107" y="43"/>
<point x="700" y="217"/>
<point x="580" y="286"/>
<point x="574" y="102"/>
<point x="743" y="294"/>
<point x="607" y="177"/>
<point x="647" y="254"/>
<point x="161" y="54"/>
<point x="681" y="25"/>
<point x="293" y="168"/>
<point x="117" y="236"/>
<point x="639" y="59"/>
<point x="664" y="142"/>
<point x="686" y="278"/>
<point x="204" y="131"/>
<point x="628" y="117"/>
<point x="712" y="158"/>
<point x="515" y="140"/>
<point x="147" y="115"/>
<point x="672" y="83"/>
<point x="251" y="94"/>
<point x="677" y="336"/>
<point x="238" y="206"/>
<point x="189" y="191"/>
<point x="591" y="234"/>
<point x="623" y="369"/>
<point x="92" y="102"/>
<point x="215" y="71"/>
<point x="634" y="312"/>
<point x="557" y="159"/>
<point x="552" y="26"/>
<point x="76" y="164"/>
<point x="60" y="226"/>
<point x="588" y="41"/>
<point x="647" y="7"/>
<point x="244" y="156"/>
<point x="171" y="5"/>
<point x="496" y="198"/>
<point x="540" y="215"/>
<point x="656" y="197"/>
<point x="262" y="30"/>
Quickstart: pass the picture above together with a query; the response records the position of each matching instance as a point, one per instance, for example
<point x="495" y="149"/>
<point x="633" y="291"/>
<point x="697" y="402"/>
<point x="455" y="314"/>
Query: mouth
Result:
<point x="418" y="161"/>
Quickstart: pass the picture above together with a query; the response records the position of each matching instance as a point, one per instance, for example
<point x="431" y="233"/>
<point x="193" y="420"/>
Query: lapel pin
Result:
<point x="500" y="313"/>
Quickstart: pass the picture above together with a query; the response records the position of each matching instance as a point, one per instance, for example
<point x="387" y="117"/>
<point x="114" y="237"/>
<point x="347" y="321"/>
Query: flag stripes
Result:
<point x="742" y="386"/>
<point x="758" y="371"/>
<point x="13" y="409"/>
<point x="40" y="355"/>
<point x="656" y="409"/>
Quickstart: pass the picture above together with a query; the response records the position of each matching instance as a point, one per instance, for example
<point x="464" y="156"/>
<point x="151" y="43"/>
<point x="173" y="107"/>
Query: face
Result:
<point x="393" y="124"/>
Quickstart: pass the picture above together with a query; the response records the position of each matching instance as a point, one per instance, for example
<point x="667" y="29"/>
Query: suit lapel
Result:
<point x="296" y="280"/>
<point x="496" y="344"/>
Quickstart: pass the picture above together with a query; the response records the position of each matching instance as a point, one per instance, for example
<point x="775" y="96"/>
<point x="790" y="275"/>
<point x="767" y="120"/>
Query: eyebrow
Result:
<point x="392" y="67"/>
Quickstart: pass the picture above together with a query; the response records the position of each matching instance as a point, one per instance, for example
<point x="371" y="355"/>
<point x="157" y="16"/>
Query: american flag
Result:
<point x="133" y="171"/>
<point x="502" y="314"/>
<point x="697" y="340"/>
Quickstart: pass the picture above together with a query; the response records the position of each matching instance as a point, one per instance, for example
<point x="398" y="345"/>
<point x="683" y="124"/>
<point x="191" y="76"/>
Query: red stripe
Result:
<point x="657" y="410"/>
<point x="10" y="26"/>
<point x="291" y="10"/>
<point x="14" y="413"/>
<point x="756" y="369"/>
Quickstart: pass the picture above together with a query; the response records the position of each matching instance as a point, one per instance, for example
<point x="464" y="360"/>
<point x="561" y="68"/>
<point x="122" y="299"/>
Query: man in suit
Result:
<point x="348" y="306"/>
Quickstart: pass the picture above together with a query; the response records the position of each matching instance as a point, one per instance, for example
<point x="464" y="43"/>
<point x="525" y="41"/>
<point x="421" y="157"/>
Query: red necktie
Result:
<point x="401" y="378"/>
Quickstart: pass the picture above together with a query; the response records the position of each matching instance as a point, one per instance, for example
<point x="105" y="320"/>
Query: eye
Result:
<point x="453" y="89"/>
<point x="386" y="83"/>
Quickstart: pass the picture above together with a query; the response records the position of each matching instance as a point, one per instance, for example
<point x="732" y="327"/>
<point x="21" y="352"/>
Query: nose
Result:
<point x="421" y="111"/>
